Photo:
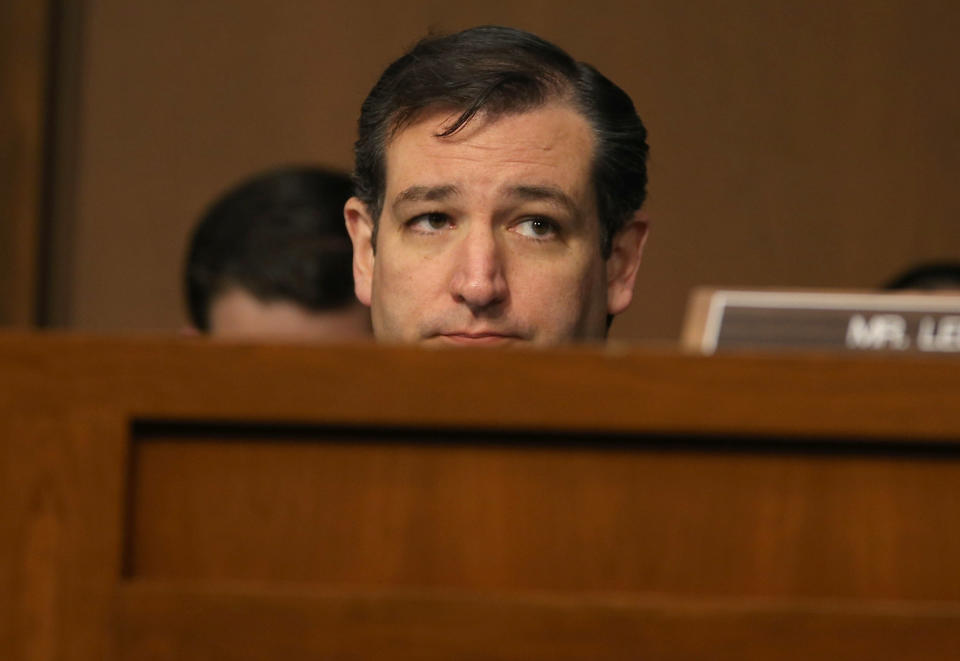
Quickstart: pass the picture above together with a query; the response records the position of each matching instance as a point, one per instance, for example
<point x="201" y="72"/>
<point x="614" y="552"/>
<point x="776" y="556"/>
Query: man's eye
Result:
<point x="429" y="222"/>
<point x="536" y="228"/>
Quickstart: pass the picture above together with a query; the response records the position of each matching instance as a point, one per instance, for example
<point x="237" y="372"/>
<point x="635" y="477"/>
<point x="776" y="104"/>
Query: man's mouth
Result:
<point x="477" y="339"/>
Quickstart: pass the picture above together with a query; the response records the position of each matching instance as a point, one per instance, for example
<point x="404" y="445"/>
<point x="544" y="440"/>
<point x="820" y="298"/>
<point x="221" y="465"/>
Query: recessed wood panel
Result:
<point x="499" y="511"/>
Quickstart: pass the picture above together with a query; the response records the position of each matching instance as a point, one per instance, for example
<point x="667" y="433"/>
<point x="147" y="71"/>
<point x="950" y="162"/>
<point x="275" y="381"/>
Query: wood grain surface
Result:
<point x="173" y="499"/>
<point x="25" y="43"/>
<point x="251" y="622"/>
<point x="504" y="511"/>
<point x="612" y="390"/>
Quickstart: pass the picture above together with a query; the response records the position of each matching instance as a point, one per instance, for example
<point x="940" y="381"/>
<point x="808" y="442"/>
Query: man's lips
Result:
<point x="477" y="338"/>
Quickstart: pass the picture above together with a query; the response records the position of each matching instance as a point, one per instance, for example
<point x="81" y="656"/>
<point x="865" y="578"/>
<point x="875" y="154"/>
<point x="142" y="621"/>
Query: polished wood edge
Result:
<point x="167" y="621"/>
<point x="615" y="390"/>
<point x="42" y="342"/>
<point x="136" y="591"/>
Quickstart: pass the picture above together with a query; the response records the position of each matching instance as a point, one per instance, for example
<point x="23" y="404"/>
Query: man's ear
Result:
<point x="624" y="260"/>
<point x="360" y="226"/>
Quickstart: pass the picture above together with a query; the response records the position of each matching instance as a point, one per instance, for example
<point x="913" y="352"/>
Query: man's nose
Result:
<point x="478" y="280"/>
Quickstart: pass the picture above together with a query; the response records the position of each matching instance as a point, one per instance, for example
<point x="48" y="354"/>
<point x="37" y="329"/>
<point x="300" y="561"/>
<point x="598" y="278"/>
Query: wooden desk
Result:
<point x="172" y="499"/>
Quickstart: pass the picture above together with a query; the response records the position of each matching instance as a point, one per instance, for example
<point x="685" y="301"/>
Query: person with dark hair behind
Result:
<point x="271" y="258"/>
<point x="928" y="276"/>
<point x="499" y="186"/>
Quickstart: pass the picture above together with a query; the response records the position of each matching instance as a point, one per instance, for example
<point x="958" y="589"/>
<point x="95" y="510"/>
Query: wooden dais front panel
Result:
<point x="184" y="500"/>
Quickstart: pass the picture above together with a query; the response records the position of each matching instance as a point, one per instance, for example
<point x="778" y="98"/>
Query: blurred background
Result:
<point x="793" y="143"/>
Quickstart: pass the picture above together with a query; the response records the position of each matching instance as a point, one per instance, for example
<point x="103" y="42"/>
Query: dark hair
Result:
<point x="501" y="70"/>
<point x="278" y="235"/>
<point x="929" y="276"/>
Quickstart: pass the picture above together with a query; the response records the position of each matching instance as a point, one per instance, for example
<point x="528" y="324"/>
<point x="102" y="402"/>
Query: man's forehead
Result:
<point x="551" y="145"/>
<point x="546" y="192"/>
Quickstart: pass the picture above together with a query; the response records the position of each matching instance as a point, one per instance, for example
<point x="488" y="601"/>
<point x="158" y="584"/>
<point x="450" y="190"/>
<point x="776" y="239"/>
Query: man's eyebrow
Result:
<point x="426" y="193"/>
<point x="547" y="193"/>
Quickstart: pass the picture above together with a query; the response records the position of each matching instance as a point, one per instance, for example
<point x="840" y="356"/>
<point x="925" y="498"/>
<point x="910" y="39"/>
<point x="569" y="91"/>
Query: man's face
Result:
<point x="489" y="236"/>
<point x="238" y="314"/>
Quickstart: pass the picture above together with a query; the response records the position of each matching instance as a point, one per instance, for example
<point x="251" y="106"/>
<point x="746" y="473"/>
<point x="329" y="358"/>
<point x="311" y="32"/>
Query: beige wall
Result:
<point x="793" y="143"/>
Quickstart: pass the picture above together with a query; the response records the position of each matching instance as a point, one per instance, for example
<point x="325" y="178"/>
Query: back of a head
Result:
<point x="279" y="236"/>
<point x="929" y="276"/>
<point x="499" y="70"/>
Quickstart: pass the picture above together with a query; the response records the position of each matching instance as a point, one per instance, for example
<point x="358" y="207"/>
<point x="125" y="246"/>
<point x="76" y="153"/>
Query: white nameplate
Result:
<point x="721" y="319"/>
